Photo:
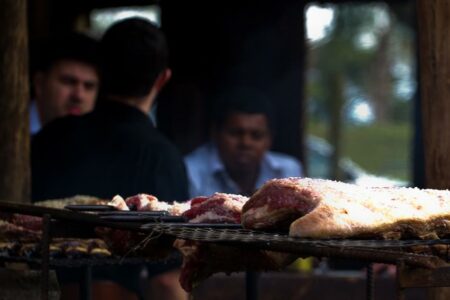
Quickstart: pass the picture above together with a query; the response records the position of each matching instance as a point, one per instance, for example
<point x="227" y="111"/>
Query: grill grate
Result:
<point x="250" y="236"/>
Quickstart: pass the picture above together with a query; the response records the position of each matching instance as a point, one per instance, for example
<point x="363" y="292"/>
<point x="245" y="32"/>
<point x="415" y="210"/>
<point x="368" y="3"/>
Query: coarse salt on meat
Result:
<point x="219" y="208"/>
<point x="140" y="201"/>
<point x="317" y="208"/>
<point x="178" y="208"/>
<point x="118" y="203"/>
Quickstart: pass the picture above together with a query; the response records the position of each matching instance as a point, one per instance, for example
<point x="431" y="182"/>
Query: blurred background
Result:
<point x="342" y="75"/>
<point x="360" y="89"/>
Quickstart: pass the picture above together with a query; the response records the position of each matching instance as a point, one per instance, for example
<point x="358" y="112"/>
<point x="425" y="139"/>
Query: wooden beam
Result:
<point x="14" y="127"/>
<point x="434" y="52"/>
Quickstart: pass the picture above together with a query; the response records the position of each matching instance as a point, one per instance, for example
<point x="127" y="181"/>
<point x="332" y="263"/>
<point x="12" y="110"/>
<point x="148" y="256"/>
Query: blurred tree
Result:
<point x="356" y="58"/>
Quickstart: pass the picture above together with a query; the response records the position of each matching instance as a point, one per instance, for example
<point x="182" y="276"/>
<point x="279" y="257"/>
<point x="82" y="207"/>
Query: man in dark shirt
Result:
<point x="115" y="149"/>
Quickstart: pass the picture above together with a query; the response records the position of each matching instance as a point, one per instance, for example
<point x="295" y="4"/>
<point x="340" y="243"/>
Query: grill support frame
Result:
<point x="413" y="270"/>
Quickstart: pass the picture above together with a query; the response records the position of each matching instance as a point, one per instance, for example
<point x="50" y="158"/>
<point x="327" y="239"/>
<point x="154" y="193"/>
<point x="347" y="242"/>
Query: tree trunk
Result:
<point x="434" y="47"/>
<point x="336" y="87"/>
<point x="14" y="127"/>
<point x="381" y="83"/>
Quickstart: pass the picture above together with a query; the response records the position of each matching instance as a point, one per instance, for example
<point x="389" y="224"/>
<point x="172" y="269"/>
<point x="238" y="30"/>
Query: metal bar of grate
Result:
<point x="250" y="236"/>
<point x="370" y="283"/>
<point x="45" y="245"/>
<point x="362" y="250"/>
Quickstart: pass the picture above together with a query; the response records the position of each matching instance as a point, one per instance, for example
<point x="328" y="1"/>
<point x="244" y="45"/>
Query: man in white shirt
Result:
<point x="238" y="160"/>
<point x="65" y="78"/>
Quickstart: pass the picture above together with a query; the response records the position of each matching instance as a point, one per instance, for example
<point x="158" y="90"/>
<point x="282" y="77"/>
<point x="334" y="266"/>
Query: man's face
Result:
<point x="243" y="140"/>
<point x="67" y="88"/>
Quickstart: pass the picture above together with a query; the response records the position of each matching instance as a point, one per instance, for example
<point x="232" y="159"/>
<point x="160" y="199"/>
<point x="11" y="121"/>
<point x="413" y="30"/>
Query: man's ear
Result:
<point x="163" y="78"/>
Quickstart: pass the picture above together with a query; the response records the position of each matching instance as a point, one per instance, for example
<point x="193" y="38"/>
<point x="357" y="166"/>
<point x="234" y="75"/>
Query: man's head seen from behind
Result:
<point x="133" y="56"/>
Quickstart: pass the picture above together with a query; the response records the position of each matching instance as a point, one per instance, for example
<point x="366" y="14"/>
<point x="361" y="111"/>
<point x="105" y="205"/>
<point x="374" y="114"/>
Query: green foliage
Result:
<point x="380" y="149"/>
<point x="384" y="147"/>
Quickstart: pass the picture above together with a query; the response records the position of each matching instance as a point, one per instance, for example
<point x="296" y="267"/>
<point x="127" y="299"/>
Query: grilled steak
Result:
<point x="328" y="209"/>
<point x="219" y="208"/>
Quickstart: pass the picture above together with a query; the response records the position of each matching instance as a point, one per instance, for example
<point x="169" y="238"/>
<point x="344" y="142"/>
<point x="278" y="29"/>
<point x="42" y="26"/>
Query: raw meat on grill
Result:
<point x="75" y="200"/>
<point x="219" y="208"/>
<point x="201" y="260"/>
<point x="12" y="232"/>
<point x="178" y="208"/>
<point x="132" y="243"/>
<point x="278" y="203"/>
<point x="330" y="209"/>
<point x="118" y="202"/>
<point x="145" y="202"/>
<point x="59" y="248"/>
<point x="26" y="221"/>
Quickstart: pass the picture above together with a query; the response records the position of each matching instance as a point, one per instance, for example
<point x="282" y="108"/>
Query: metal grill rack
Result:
<point x="392" y="252"/>
<point x="367" y="250"/>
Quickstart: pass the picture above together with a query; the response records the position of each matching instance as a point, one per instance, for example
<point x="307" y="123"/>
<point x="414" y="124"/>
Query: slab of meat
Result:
<point x="278" y="203"/>
<point x="26" y="221"/>
<point x="141" y="202"/>
<point x="118" y="202"/>
<point x="178" y="208"/>
<point x="145" y="202"/>
<point x="201" y="260"/>
<point x="75" y="200"/>
<point x="330" y="209"/>
<point x="12" y="232"/>
<point x="131" y="243"/>
<point x="219" y="208"/>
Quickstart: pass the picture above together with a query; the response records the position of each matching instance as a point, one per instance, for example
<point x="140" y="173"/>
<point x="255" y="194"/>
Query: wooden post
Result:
<point x="434" y="52"/>
<point x="14" y="126"/>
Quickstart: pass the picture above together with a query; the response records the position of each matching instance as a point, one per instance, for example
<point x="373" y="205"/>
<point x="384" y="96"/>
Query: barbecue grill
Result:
<point x="414" y="269"/>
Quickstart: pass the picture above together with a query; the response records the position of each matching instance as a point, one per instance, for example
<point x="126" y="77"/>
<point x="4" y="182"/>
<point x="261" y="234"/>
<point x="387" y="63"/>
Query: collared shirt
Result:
<point x="207" y="174"/>
<point x="35" y="123"/>
<point x="113" y="150"/>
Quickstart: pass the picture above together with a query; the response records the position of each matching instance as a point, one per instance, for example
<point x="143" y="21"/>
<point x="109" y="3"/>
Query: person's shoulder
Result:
<point x="197" y="162"/>
<point x="200" y="159"/>
<point x="57" y="128"/>
<point x="158" y="146"/>
<point x="156" y="140"/>
<point x="290" y="165"/>
<point x="282" y="157"/>
<point x="56" y="140"/>
<point x="198" y="154"/>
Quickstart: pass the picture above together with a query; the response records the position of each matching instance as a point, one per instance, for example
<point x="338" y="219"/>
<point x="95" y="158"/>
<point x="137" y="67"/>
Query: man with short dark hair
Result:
<point x="115" y="149"/>
<point x="238" y="160"/>
<point x="65" y="78"/>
